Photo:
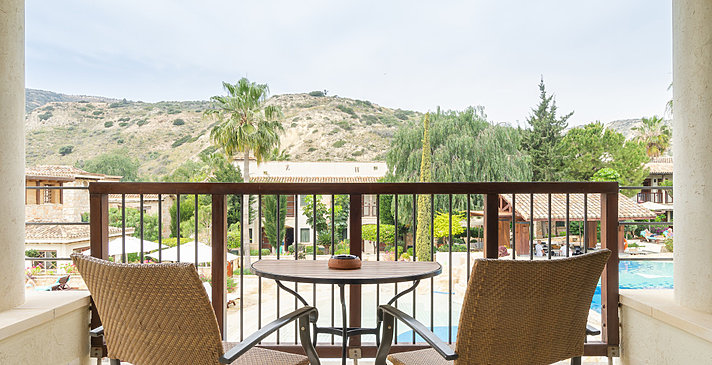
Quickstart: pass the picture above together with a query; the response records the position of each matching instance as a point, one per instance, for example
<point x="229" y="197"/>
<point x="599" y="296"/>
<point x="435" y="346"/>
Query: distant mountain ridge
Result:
<point x="35" y="98"/>
<point x="164" y="135"/>
<point x="625" y="126"/>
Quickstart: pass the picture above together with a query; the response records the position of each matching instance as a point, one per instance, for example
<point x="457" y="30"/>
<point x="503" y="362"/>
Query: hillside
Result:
<point x="36" y="98"/>
<point x="165" y="134"/>
<point x="625" y="126"/>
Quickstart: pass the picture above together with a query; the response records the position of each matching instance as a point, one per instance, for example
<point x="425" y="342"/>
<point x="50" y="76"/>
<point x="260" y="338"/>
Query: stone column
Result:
<point x="12" y="153"/>
<point x="692" y="151"/>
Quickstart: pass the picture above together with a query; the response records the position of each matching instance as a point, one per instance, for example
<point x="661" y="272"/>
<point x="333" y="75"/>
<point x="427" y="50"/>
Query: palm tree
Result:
<point x="245" y="125"/>
<point x="655" y="134"/>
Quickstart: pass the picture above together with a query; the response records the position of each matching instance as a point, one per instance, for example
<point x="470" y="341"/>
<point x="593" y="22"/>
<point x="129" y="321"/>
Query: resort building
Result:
<point x="658" y="200"/>
<point x="317" y="172"/>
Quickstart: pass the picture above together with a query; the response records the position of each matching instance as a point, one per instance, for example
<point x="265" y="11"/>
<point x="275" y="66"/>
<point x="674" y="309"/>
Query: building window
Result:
<point x="302" y="200"/>
<point x="304" y="235"/>
<point x="46" y="254"/>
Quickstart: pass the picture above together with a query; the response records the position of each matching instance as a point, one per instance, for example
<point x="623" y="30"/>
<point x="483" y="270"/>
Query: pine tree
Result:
<point x="423" y="239"/>
<point x="542" y="140"/>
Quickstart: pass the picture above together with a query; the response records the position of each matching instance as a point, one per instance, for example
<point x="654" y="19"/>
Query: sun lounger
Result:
<point x="60" y="284"/>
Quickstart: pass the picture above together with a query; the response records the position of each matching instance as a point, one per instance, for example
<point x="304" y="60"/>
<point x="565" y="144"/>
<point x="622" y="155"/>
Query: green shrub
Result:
<point x="178" y="122"/>
<point x="120" y="141"/>
<point x="357" y="153"/>
<point x="181" y="140"/>
<point x="317" y="93"/>
<point x="173" y="111"/>
<point x="347" y="110"/>
<point x="455" y="248"/>
<point x="108" y="124"/>
<point x="265" y="252"/>
<point x="32" y="253"/>
<point x="668" y="244"/>
<point x="123" y="124"/>
<point x="45" y="116"/>
<point x="400" y="114"/>
<point x="98" y="112"/>
<point x="65" y="150"/>
<point x="340" y="143"/>
<point x="124" y="119"/>
<point x="142" y="122"/>
<point x="311" y="149"/>
<point x="344" y="125"/>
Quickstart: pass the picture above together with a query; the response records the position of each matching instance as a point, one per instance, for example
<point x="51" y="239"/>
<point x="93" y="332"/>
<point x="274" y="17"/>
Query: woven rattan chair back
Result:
<point x="527" y="312"/>
<point x="153" y="314"/>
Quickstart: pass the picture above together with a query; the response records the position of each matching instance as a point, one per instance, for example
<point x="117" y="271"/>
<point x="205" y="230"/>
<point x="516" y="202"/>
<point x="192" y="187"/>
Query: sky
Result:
<point x="604" y="60"/>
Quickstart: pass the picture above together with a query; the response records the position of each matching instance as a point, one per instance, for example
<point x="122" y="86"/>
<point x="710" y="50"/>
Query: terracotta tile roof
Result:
<point x="627" y="208"/>
<point x="64" y="234"/>
<point x="660" y="165"/>
<point x="64" y="172"/>
<point x="315" y="179"/>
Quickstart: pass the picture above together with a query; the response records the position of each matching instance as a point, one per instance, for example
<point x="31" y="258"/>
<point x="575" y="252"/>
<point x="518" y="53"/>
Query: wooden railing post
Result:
<point x="491" y="226"/>
<point x="609" y="278"/>
<point x="355" y="249"/>
<point x="99" y="225"/>
<point x="99" y="245"/>
<point x="217" y="269"/>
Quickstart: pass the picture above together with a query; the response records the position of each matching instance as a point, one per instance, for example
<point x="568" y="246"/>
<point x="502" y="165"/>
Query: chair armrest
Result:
<point x="439" y="345"/>
<point x="252" y="340"/>
<point x="97" y="332"/>
<point x="591" y="331"/>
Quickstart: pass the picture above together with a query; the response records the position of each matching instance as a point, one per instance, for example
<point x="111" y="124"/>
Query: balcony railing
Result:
<point x="658" y="194"/>
<point x="466" y="196"/>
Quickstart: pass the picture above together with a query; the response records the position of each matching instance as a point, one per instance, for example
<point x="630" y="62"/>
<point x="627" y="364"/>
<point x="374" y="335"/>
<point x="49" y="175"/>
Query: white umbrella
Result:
<point x="187" y="253"/>
<point x="133" y="245"/>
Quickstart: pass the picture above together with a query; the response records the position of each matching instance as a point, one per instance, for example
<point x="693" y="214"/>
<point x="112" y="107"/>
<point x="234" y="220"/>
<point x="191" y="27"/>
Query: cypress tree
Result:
<point x="423" y="239"/>
<point x="542" y="141"/>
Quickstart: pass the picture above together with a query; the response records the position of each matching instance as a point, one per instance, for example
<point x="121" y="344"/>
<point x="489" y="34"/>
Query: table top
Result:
<point x="371" y="272"/>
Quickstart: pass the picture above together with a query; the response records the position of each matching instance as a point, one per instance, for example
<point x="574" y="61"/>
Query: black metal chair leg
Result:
<point x="576" y="360"/>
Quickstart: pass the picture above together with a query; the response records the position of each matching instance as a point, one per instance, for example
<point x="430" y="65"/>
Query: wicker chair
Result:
<point x="161" y="314"/>
<point x="514" y="312"/>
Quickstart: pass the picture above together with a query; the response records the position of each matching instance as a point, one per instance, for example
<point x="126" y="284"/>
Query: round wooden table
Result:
<point x="371" y="272"/>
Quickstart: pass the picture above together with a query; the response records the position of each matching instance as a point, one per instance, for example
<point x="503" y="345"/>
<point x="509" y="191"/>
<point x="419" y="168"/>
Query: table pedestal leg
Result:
<point x="344" y="325"/>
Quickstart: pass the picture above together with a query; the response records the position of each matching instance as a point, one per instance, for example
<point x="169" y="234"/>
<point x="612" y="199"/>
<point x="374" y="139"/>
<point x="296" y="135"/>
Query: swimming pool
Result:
<point x="639" y="275"/>
<point x="632" y="275"/>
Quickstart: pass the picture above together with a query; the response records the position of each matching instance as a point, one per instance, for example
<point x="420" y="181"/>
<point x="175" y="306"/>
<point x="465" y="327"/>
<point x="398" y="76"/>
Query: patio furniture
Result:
<point x="160" y="314"/>
<point x="515" y="312"/>
<point x="371" y="272"/>
<point x="59" y="284"/>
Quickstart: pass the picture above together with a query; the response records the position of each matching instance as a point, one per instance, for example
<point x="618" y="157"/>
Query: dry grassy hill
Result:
<point x="165" y="134"/>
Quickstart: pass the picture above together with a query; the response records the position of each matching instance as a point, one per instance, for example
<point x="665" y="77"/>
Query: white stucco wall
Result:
<point x="12" y="152"/>
<point x="692" y="133"/>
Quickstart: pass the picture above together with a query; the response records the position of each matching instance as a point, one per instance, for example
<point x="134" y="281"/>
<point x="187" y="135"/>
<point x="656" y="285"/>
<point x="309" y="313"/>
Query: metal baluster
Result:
<point x="548" y="254"/>
<point x="140" y="222"/>
<point x="395" y="258"/>
<point x="585" y="223"/>
<point x="467" y="278"/>
<point x="415" y="249"/>
<point x="531" y="226"/>
<point x="279" y="247"/>
<point x="378" y="244"/>
<point x="295" y="245"/>
<point x="449" y="291"/>
<point x="432" y="258"/>
<point x="259" y="257"/>
<point x="568" y="231"/>
<point x="314" y="252"/>
<point x="514" y="226"/>
<point x="242" y="262"/>
<point x="178" y="227"/>
<point x="160" y="229"/>
<point x="196" y="231"/>
<point x="123" y="228"/>
<point x="333" y="234"/>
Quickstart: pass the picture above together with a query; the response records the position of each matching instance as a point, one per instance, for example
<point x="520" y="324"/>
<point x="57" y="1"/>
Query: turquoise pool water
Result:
<point x="632" y="275"/>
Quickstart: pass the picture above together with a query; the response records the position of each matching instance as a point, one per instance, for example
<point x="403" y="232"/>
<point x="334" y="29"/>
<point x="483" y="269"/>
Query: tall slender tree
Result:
<point x="542" y="140"/>
<point x="423" y="239"/>
<point x="245" y="125"/>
